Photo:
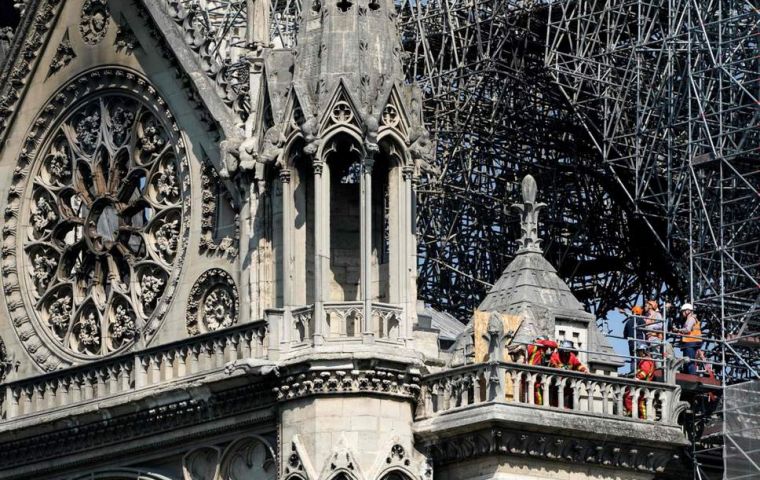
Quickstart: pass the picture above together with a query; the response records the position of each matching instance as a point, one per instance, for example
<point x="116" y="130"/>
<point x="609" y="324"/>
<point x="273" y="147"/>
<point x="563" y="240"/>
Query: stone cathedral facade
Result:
<point x="213" y="279"/>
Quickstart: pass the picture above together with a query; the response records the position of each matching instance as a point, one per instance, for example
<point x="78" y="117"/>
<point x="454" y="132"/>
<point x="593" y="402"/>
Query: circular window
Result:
<point x="100" y="226"/>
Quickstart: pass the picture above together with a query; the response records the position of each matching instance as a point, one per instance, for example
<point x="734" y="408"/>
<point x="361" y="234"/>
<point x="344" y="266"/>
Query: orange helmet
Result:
<point x="637" y="310"/>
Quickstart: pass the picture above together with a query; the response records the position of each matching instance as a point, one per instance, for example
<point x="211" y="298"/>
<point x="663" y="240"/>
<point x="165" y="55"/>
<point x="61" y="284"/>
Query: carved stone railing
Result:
<point x="386" y="321"/>
<point x="560" y="390"/>
<point x="344" y="319"/>
<point x="131" y="372"/>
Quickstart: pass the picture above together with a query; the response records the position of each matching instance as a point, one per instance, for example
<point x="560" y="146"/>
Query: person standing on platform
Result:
<point x="644" y="372"/>
<point x="655" y="325"/>
<point x="692" y="339"/>
<point x="565" y="358"/>
<point x="538" y="354"/>
<point x="633" y="331"/>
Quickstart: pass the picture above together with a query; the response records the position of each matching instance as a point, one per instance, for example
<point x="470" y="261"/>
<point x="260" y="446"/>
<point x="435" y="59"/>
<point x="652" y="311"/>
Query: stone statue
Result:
<point x="6" y="38"/>
<point x="253" y="366"/>
<point x="230" y="153"/>
<point x="309" y="129"/>
<point x="494" y="335"/>
<point x="423" y="151"/>
<point x="248" y="154"/>
<point x="258" y="23"/>
<point x="274" y="141"/>
<point x="371" y="128"/>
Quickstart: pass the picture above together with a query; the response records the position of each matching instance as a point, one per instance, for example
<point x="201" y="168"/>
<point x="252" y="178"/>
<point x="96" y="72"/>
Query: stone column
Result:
<point x="287" y="238"/>
<point x="408" y="251"/>
<point x="321" y="219"/>
<point x="366" y="247"/>
<point x="248" y="257"/>
<point x="255" y="233"/>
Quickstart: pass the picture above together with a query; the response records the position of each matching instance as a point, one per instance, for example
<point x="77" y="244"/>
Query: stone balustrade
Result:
<point x="134" y="371"/>
<point x="344" y="320"/>
<point x="560" y="390"/>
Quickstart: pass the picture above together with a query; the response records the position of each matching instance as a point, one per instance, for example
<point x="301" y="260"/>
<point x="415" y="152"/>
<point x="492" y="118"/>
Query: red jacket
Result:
<point x="537" y="351"/>
<point x="646" y="369"/>
<point x="572" y="362"/>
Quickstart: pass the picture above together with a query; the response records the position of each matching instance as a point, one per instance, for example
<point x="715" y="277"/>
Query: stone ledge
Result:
<point x="533" y="419"/>
<point x="194" y="410"/>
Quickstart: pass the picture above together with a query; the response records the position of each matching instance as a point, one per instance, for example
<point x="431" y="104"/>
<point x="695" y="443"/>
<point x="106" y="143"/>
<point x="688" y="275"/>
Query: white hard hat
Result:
<point x="687" y="306"/>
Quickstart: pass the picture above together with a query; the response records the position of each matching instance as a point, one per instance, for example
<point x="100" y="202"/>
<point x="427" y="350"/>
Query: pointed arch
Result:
<point x="252" y="456"/>
<point x="396" y="474"/>
<point x="122" y="474"/>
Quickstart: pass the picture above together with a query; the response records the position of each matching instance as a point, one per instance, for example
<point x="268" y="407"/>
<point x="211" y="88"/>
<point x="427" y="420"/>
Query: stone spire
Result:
<point x="529" y="209"/>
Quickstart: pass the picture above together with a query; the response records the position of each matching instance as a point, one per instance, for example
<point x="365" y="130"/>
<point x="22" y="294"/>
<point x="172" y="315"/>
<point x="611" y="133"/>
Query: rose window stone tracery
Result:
<point x="105" y="209"/>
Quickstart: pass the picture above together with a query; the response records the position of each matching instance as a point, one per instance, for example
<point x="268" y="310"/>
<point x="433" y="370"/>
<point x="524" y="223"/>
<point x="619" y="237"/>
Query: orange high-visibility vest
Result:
<point x="695" y="335"/>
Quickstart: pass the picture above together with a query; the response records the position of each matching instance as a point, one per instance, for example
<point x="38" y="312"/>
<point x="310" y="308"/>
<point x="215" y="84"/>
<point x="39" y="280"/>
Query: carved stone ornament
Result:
<point x="94" y="21"/>
<point x="201" y="464"/>
<point x="342" y="463"/>
<point x="125" y="41"/>
<point x="314" y="382"/>
<point x="529" y="211"/>
<point x="551" y="447"/>
<point x="7" y="364"/>
<point x="201" y="36"/>
<point x="213" y="197"/>
<point x="96" y="221"/>
<point x="64" y="54"/>
<point x="249" y="458"/>
<point x="214" y="302"/>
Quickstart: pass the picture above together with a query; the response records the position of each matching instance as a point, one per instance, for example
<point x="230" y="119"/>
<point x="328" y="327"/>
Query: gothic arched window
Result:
<point x="395" y="476"/>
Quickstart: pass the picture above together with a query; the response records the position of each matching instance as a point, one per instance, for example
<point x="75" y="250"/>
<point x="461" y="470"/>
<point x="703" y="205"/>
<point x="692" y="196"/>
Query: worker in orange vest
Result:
<point x="692" y="340"/>
<point x="538" y="354"/>
<point x="645" y="373"/>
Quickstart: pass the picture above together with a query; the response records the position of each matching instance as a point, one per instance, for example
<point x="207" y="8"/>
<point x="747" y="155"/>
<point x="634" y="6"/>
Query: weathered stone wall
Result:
<point x="504" y="468"/>
<point x="334" y="431"/>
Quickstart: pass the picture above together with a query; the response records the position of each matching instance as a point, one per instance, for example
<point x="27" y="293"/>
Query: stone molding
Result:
<point x="122" y="474"/>
<point x="393" y="458"/>
<point x="87" y="85"/>
<point x="32" y="33"/>
<point x="200" y="37"/>
<point x="115" y="429"/>
<point x="212" y="195"/>
<point x="332" y="382"/>
<point x="553" y="447"/>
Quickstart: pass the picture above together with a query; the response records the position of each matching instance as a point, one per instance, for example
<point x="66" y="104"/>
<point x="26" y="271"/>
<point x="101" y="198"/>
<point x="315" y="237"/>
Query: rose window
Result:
<point x="105" y="215"/>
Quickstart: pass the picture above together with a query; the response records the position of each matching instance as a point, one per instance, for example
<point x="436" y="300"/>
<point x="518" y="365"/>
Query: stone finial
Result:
<point x="529" y="209"/>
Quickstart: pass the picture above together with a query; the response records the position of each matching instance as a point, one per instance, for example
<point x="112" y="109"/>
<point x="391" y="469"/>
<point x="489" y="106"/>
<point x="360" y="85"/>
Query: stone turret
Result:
<point x="531" y="289"/>
<point x="333" y="266"/>
<point x="341" y="145"/>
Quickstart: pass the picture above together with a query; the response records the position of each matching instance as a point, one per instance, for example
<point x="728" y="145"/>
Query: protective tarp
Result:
<point x="742" y="431"/>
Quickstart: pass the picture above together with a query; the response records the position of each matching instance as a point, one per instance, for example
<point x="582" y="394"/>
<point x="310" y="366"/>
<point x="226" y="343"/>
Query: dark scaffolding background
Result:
<point x="640" y="121"/>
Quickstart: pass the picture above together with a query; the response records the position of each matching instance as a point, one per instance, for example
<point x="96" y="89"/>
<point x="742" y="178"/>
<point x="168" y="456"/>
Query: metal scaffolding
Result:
<point x="641" y="121"/>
